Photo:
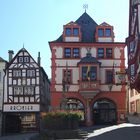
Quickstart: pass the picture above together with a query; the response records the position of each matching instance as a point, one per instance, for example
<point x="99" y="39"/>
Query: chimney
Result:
<point x="11" y="52"/>
<point x="39" y="59"/>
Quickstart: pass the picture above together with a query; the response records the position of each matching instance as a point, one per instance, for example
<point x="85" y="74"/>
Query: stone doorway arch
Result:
<point x="104" y="111"/>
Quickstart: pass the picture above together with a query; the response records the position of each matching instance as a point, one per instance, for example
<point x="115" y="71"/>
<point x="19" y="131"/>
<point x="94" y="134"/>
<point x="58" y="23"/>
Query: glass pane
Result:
<point x="100" y="53"/>
<point x="68" y="31"/>
<point x="100" y="32"/>
<point x="75" y="32"/>
<point x="84" y="73"/>
<point x="107" y="32"/>
<point x="67" y="52"/>
<point x="75" y="52"/>
<point x="109" y="53"/>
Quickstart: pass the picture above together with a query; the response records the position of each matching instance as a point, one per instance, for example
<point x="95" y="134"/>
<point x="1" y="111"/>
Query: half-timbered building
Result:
<point x="88" y="69"/>
<point x="2" y="67"/>
<point x="26" y="93"/>
<point x="133" y="49"/>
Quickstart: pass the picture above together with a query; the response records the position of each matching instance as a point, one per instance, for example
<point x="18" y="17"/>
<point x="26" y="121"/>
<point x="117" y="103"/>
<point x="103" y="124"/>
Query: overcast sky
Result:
<point x="36" y="22"/>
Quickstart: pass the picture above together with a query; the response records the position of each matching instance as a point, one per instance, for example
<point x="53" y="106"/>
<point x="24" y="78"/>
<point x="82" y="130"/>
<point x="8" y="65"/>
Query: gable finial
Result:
<point x="23" y="45"/>
<point x="85" y="6"/>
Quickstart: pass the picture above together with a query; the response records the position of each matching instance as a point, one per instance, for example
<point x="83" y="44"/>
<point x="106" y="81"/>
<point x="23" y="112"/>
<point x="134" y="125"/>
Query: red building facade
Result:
<point x="87" y="67"/>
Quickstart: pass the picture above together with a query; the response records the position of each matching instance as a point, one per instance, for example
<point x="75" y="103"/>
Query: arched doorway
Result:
<point x="77" y="105"/>
<point x="104" y="112"/>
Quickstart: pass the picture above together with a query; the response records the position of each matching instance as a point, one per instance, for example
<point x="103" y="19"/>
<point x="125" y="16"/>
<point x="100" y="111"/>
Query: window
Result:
<point x="16" y="73"/>
<point x="76" y="52"/>
<point x="26" y="59"/>
<point x="84" y="73"/>
<point x="30" y="73"/>
<point x="132" y="46"/>
<point x="93" y="73"/>
<point x="100" y="32"/>
<point x="28" y="90"/>
<point x="100" y="53"/>
<point x="108" y="53"/>
<point x="18" y="90"/>
<point x="20" y="59"/>
<point x="67" y="53"/>
<point x="108" y="32"/>
<point x="109" y="76"/>
<point x="68" y="31"/>
<point x="75" y="31"/>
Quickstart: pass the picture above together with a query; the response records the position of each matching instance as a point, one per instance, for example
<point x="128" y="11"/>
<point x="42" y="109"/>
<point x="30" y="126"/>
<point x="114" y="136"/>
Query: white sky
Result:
<point x="36" y="22"/>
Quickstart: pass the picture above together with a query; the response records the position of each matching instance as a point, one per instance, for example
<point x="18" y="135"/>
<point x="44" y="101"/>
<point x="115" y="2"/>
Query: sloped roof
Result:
<point x="89" y="59"/>
<point x="2" y="60"/>
<point x="88" y="28"/>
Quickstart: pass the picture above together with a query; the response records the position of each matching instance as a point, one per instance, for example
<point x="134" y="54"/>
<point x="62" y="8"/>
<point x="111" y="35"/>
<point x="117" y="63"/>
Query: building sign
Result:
<point x="21" y="108"/>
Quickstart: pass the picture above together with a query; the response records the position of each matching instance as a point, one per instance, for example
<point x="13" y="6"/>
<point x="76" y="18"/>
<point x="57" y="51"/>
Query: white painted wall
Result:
<point x="72" y="64"/>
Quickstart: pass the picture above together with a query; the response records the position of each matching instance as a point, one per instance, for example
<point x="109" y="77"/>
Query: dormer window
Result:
<point x="71" y="32"/>
<point x="75" y="31"/>
<point x="68" y="32"/>
<point x="100" y="32"/>
<point x="107" y="32"/>
<point x="104" y="33"/>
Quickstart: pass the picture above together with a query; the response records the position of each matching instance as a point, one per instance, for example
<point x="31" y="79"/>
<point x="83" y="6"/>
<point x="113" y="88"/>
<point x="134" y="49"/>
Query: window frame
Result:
<point x="99" y="53"/>
<point x="75" y="33"/>
<point x="17" y="73"/>
<point x="108" y="54"/>
<point x="109" y="78"/>
<point x="67" y="54"/>
<point x="100" y="34"/>
<point x="108" y="34"/>
<point x="30" y="73"/>
<point x="76" y="54"/>
<point x="68" y="31"/>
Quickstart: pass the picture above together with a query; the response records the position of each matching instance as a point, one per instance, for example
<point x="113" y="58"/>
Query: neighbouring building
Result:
<point x="133" y="48"/>
<point x="26" y="93"/>
<point x="2" y="67"/>
<point x="134" y="101"/>
<point x="133" y="45"/>
<point x="88" y="69"/>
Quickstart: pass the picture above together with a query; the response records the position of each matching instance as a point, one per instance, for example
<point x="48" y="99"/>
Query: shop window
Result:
<point x="67" y="52"/>
<point x="109" y="76"/>
<point x="108" y="53"/>
<point x="100" y="32"/>
<point x="107" y="32"/>
<point x="76" y="52"/>
<point x="68" y="32"/>
<point x="75" y="31"/>
<point x="100" y="53"/>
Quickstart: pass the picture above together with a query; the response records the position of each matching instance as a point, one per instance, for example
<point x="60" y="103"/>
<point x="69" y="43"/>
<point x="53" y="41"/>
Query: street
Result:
<point x="118" y="132"/>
